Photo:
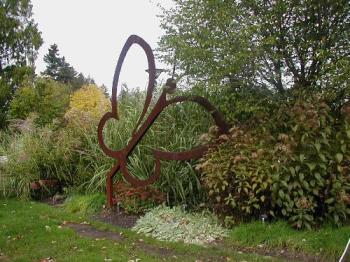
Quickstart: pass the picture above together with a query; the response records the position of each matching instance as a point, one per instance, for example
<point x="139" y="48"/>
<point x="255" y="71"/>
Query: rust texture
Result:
<point x="142" y="126"/>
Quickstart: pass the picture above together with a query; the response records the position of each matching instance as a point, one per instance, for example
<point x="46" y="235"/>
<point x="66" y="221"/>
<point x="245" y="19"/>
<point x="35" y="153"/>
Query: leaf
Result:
<point x="339" y="157"/>
<point x="306" y="184"/>
<point x="292" y="171"/>
<point x="295" y="128"/>
<point x="301" y="158"/>
<point x="311" y="166"/>
<point x="309" y="218"/>
<point x="318" y="176"/>
<point x="281" y="194"/>
<point x="254" y="186"/>
<point x="336" y="218"/>
<point x="343" y="149"/>
<point x="329" y="200"/>
<point x="322" y="156"/>
<point x="318" y="146"/>
<point x="301" y="177"/>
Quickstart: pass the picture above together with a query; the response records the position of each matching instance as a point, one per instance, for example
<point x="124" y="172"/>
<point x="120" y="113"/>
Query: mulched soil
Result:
<point x="3" y="258"/>
<point x="117" y="218"/>
<point x="161" y="252"/>
<point x="53" y="201"/>
<point x="285" y="254"/>
<point x="86" y="230"/>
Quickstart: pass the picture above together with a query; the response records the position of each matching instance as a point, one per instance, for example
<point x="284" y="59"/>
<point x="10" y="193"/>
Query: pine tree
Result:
<point x="53" y="62"/>
<point x="66" y="73"/>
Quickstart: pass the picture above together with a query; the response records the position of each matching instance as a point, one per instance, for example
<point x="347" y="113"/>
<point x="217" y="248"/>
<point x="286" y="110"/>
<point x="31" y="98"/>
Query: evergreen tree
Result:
<point x="66" y="73"/>
<point x="53" y="62"/>
<point x="58" y="69"/>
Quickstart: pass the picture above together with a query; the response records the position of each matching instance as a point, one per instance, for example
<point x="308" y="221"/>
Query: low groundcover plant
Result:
<point x="174" y="224"/>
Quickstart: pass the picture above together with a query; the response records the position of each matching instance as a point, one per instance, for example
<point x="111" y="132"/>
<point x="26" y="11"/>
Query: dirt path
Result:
<point x="86" y="230"/>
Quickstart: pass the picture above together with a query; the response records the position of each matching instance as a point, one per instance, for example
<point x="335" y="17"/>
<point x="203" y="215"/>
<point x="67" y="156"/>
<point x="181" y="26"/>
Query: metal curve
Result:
<point x="141" y="129"/>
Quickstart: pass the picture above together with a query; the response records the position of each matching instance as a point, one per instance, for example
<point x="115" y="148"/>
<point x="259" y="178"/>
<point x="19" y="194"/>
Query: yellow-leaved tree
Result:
<point x="86" y="106"/>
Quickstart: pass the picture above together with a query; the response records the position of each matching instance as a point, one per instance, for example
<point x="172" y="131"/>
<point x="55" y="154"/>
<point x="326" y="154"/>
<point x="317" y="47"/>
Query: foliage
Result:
<point x="85" y="204"/>
<point x="39" y="154"/>
<point x="237" y="174"/>
<point x="275" y="44"/>
<point x="173" y="224"/>
<point x="47" y="98"/>
<point x="136" y="200"/>
<point x="19" y="43"/>
<point x="20" y="37"/>
<point x="293" y="163"/>
<point x="312" y="160"/>
<point x="11" y="79"/>
<point x="87" y="105"/>
<point x="176" y="129"/>
<point x="61" y="71"/>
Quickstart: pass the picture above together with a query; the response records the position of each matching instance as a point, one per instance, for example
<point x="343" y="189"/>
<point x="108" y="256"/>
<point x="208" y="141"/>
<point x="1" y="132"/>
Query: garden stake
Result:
<point x="141" y="129"/>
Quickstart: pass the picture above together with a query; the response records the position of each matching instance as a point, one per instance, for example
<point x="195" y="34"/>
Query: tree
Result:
<point x="87" y="105"/>
<point x="47" y="98"/>
<point x="53" y="62"/>
<point x="58" y="69"/>
<point x="20" y="40"/>
<point x="67" y="73"/>
<point x="276" y="44"/>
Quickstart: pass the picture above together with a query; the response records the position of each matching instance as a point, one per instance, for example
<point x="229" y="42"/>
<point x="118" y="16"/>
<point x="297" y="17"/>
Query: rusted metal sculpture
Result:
<point x="141" y="128"/>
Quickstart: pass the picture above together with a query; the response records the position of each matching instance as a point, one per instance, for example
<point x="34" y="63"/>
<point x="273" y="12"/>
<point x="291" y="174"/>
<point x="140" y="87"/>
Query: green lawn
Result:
<point x="32" y="231"/>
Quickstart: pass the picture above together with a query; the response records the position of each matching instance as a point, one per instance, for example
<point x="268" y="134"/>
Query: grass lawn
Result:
<point x="31" y="231"/>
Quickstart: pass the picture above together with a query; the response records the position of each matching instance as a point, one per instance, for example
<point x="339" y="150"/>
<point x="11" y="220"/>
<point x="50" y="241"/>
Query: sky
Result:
<point x="91" y="33"/>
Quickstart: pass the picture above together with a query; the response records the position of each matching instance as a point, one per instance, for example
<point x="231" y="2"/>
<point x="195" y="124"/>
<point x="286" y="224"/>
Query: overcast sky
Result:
<point x="91" y="34"/>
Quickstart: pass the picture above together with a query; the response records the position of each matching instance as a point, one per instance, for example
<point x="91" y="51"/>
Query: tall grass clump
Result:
<point x="176" y="129"/>
<point x="70" y="152"/>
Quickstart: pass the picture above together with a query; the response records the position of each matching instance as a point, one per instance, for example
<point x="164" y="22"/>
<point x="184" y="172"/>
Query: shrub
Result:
<point x="238" y="175"/>
<point x="311" y="167"/>
<point x="136" y="200"/>
<point x="87" y="105"/>
<point x="47" y="98"/>
<point x="292" y="164"/>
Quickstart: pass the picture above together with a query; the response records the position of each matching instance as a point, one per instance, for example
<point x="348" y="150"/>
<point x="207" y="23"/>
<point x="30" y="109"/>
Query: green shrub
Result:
<point x="238" y="175"/>
<point x="47" y="98"/>
<point x="292" y="164"/>
<point x="311" y="164"/>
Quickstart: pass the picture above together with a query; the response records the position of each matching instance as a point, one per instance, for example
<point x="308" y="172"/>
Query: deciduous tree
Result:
<point x="20" y="40"/>
<point x="278" y="44"/>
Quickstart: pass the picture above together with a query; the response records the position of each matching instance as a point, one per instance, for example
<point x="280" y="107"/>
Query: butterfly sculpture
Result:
<point x="142" y="126"/>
